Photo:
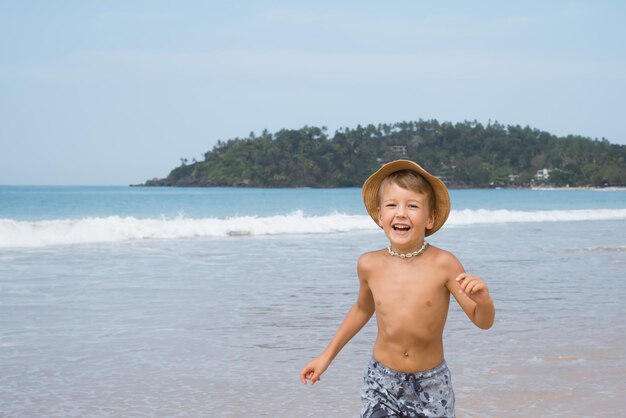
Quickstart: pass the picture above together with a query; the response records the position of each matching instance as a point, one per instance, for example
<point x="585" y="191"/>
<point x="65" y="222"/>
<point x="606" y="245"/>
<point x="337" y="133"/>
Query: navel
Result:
<point x="406" y="354"/>
<point x="429" y="303"/>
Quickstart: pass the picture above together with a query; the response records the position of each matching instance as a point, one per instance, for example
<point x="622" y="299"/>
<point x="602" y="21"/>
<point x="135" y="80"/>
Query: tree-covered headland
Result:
<point x="467" y="154"/>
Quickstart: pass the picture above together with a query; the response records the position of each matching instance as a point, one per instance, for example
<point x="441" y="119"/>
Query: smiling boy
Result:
<point x="408" y="286"/>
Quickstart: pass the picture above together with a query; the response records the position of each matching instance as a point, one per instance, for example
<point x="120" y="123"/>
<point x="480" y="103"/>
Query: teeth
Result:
<point x="402" y="227"/>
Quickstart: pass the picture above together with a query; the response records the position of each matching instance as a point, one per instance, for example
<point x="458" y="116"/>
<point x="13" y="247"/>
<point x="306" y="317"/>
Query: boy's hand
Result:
<point x="313" y="370"/>
<point x="474" y="287"/>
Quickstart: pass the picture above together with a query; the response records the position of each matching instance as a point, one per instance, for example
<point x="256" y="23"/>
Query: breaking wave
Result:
<point x="117" y="229"/>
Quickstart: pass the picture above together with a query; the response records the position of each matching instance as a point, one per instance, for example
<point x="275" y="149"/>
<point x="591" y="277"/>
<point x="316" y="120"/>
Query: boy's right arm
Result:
<point x="357" y="317"/>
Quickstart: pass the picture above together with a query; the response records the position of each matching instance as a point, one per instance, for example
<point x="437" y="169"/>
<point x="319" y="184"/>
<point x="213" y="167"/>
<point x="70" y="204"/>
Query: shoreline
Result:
<point x="608" y="189"/>
<point x="450" y="187"/>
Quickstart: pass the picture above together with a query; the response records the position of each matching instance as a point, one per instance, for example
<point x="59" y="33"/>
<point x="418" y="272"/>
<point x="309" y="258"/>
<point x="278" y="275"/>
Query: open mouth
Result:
<point x="401" y="227"/>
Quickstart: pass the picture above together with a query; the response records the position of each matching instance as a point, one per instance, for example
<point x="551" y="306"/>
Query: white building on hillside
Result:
<point x="543" y="174"/>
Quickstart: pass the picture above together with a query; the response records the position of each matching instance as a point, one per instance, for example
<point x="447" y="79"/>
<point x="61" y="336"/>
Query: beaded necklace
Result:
<point x="409" y="255"/>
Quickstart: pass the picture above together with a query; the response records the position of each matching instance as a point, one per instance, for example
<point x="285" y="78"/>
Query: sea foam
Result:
<point x="15" y="233"/>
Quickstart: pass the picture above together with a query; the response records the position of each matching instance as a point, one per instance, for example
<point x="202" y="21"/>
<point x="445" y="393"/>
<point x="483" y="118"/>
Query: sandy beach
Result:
<point x="154" y="324"/>
<point x="106" y="338"/>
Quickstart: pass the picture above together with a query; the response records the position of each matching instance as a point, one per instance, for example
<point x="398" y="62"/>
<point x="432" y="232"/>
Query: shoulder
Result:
<point x="446" y="261"/>
<point x="371" y="257"/>
<point x="370" y="260"/>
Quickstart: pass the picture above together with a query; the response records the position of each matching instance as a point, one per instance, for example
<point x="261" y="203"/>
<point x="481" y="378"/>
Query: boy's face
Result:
<point x="405" y="216"/>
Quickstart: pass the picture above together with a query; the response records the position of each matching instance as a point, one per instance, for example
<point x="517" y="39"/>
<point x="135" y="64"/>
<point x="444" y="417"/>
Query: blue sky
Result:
<point x="116" y="92"/>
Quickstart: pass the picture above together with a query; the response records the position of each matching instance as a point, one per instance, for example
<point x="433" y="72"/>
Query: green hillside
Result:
<point x="466" y="154"/>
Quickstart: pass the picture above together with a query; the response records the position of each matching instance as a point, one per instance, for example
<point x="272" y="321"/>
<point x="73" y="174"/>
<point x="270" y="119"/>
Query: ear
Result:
<point x="430" y="223"/>
<point x="380" y="220"/>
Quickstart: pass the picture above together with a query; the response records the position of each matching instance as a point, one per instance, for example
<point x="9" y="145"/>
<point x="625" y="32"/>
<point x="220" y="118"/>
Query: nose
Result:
<point x="401" y="211"/>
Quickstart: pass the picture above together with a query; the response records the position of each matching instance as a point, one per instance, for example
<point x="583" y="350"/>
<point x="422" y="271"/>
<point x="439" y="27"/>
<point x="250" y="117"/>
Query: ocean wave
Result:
<point x="116" y="229"/>
<point x="484" y="216"/>
<point x="15" y="233"/>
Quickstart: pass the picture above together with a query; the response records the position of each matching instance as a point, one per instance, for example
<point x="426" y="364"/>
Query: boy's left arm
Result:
<point x="472" y="293"/>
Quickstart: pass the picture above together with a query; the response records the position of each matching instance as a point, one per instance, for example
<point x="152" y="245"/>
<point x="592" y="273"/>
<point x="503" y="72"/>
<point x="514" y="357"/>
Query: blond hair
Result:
<point x="410" y="180"/>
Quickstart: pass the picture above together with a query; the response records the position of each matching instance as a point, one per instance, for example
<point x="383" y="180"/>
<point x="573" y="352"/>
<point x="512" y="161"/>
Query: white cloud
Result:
<point x="144" y="16"/>
<point x="373" y="68"/>
<point x="518" y="21"/>
<point x="405" y="30"/>
<point x="359" y="26"/>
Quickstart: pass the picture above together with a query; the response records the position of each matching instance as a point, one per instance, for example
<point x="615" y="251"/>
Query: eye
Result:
<point x="390" y="205"/>
<point x="413" y="206"/>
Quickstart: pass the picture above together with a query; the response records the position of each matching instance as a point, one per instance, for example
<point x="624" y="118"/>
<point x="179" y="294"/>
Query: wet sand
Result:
<point x="188" y="328"/>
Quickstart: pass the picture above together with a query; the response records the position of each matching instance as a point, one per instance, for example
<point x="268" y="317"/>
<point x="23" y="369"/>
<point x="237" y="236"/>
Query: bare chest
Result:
<point x="408" y="291"/>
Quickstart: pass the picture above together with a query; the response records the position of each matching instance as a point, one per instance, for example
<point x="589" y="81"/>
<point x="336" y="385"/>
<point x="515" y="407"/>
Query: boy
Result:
<point x="408" y="285"/>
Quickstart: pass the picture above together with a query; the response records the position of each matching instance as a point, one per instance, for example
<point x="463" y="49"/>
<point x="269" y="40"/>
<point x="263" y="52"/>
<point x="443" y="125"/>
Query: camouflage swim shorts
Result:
<point x="390" y="393"/>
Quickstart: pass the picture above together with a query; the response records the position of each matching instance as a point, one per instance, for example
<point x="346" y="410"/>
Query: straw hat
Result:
<point x="372" y="184"/>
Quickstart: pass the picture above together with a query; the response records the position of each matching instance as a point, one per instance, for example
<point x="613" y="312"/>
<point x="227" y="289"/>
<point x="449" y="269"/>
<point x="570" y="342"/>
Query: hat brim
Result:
<point x="372" y="185"/>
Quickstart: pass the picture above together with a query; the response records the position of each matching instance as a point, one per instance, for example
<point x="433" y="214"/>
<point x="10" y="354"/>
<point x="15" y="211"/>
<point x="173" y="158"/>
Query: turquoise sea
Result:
<point x="167" y="302"/>
<point x="32" y="216"/>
